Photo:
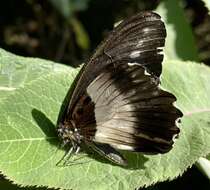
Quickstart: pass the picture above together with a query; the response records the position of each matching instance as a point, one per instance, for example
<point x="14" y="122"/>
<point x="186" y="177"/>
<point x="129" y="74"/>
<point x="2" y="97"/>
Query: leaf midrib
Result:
<point x="203" y="110"/>
<point x="27" y="139"/>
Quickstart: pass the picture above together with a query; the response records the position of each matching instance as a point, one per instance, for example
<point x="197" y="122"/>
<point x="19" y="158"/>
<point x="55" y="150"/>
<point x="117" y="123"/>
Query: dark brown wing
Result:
<point x="83" y="116"/>
<point x="131" y="111"/>
<point x="138" y="39"/>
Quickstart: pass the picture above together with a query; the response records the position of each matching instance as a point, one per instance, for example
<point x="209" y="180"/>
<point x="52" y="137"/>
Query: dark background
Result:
<point x="45" y="29"/>
<point x="69" y="34"/>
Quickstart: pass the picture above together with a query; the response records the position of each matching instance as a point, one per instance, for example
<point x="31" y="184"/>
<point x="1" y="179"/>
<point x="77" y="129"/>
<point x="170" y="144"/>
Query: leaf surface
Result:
<point x="180" y="42"/>
<point x="29" y="148"/>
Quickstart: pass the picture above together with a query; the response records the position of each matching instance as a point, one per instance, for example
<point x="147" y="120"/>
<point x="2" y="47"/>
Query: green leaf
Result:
<point x="29" y="149"/>
<point x="180" y="43"/>
<point x="7" y="185"/>
<point x="16" y="72"/>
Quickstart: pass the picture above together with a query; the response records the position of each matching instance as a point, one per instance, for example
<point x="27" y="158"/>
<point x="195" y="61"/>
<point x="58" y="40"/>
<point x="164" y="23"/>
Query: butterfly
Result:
<point x="116" y="103"/>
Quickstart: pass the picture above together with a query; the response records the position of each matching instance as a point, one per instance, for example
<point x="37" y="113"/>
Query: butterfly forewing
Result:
<point x="117" y="102"/>
<point x="138" y="39"/>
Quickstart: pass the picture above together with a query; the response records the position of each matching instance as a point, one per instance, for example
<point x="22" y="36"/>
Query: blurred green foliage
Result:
<point x="68" y="7"/>
<point x="180" y="41"/>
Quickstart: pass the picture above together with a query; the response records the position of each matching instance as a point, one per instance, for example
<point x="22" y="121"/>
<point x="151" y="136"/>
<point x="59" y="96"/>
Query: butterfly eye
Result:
<point x="87" y="100"/>
<point x="80" y="111"/>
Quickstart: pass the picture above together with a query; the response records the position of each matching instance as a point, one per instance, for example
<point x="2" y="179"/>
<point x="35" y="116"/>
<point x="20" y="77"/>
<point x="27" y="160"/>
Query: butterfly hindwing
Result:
<point x="131" y="111"/>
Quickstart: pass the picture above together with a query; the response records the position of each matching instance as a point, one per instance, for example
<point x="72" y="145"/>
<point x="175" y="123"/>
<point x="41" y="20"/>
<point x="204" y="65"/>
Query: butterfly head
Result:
<point x="68" y="132"/>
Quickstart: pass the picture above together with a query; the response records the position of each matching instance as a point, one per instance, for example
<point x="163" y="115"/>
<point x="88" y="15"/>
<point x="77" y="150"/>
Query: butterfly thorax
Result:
<point x="69" y="133"/>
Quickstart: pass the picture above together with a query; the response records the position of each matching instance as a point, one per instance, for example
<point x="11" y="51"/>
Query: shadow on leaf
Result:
<point x="46" y="126"/>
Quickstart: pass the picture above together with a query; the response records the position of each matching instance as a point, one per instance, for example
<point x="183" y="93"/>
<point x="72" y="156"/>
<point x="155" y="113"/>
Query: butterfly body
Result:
<point x="117" y="103"/>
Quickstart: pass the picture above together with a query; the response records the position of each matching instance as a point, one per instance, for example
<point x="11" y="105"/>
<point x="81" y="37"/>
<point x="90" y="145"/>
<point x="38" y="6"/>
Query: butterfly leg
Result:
<point x="77" y="149"/>
<point x="68" y="155"/>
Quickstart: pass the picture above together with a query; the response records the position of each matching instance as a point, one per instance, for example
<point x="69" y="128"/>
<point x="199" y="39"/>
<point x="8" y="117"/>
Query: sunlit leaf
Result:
<point x="29" y="148"/>
<point x="180" y="43"/>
